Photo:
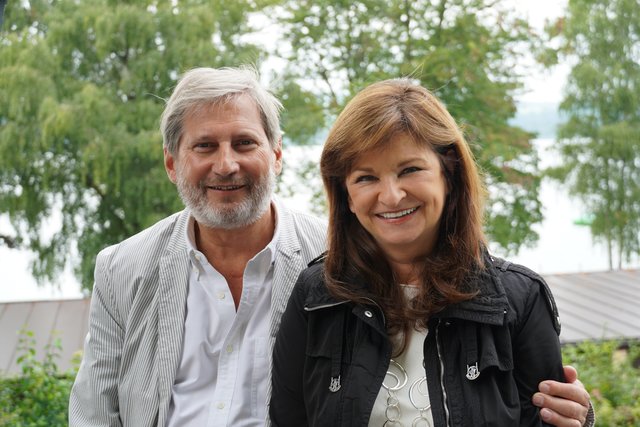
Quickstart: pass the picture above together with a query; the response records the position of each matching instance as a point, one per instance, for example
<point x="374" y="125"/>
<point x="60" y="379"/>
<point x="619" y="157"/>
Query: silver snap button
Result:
<point x="368" y="313"/>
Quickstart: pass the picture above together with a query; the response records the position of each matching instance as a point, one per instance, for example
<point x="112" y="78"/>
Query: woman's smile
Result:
<point x="398" y="214"/>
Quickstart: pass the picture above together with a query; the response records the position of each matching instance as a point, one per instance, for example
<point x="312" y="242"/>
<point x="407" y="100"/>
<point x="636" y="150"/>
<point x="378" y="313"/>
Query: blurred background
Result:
<point x="547" y="92"/>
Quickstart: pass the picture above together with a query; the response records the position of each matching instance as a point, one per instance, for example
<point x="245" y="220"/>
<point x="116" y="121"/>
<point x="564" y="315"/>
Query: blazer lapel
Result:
<point x="287" y="267"/>
<point x="172" y="302"/>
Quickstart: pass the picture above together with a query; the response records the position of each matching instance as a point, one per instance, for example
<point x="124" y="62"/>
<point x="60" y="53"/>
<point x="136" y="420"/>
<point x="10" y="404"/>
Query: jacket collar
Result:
<point x="488" y="306"/>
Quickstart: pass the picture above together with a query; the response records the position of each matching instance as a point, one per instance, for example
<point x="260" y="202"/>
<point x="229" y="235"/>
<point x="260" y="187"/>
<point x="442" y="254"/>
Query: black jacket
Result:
<point x="330" y="357"/>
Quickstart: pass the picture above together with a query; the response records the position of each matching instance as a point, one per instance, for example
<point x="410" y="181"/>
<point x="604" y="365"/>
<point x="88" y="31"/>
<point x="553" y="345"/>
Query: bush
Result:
<point x="40" y="396"/>
<point x="610" y="371"/>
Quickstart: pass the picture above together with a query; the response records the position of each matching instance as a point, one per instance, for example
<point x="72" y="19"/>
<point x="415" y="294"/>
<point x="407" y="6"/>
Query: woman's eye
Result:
<point x="364" y="178"/>
<point x="409" y="170"/>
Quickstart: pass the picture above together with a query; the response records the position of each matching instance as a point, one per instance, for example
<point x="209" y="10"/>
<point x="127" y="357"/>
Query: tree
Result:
<point x="3" y="3"/>
<point x="465" y="51"/>
<point x="600" y="141"/>
<point x="81" y="85"/>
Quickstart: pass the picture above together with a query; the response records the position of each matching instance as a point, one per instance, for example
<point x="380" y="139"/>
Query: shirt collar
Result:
<point x="269" y="250"/>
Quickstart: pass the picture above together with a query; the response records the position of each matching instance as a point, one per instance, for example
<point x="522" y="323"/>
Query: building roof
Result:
<point x="595" y="306"/>
<point x="66" y="320"/>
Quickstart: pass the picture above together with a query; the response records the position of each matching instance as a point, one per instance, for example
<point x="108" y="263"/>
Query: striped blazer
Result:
<point x="136" y="326"/>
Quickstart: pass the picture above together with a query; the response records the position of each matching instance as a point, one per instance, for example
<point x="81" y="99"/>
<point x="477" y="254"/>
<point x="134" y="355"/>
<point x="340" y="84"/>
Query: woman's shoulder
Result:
<point x="311" y="288"/>
<point x="314" y="272"/>
<point x="518" y="281"/>
<point x="523" y="286"/>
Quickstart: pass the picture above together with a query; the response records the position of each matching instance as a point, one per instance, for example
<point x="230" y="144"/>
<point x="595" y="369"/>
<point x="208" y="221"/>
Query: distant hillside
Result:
<point x="541" y="118"/>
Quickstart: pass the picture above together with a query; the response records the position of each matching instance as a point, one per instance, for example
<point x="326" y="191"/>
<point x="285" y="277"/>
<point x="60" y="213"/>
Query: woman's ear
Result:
<point x="350" y="203"/>
<point x="450" y="160"/>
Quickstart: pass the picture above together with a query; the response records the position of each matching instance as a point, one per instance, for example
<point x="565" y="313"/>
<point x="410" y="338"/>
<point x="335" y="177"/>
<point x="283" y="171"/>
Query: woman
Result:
<point x="407" y="320"/>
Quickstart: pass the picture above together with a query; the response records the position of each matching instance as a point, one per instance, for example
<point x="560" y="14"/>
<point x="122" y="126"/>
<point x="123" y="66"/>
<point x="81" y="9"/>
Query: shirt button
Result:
<point x="368" y="313"/>
<point x="220" y="405"/>
<point x="221" y="295"/>
<point x="229" y="349"/>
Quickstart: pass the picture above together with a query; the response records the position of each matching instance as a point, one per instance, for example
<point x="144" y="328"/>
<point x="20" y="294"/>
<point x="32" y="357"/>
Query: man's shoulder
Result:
<point x="154" y="237"/>
<point x="302" y="217"/>
<point x="304" y="220"/>
<point x="304" y="223"/>
<point x="301" y="232"/>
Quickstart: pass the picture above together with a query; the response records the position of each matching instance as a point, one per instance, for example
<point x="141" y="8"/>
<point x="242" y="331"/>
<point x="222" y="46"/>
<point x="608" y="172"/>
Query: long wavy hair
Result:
<point x="355" y="267"/>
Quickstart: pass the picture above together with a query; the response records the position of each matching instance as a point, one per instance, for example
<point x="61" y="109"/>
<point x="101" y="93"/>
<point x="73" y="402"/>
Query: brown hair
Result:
<point x="368" y="122"/>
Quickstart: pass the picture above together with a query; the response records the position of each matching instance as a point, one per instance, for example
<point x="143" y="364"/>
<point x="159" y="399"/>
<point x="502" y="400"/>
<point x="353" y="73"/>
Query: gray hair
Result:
<point x="201" y="87"/>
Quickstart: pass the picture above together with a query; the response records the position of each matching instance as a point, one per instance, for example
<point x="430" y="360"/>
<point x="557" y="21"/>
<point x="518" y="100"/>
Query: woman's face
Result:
<point x="398" y="194"/>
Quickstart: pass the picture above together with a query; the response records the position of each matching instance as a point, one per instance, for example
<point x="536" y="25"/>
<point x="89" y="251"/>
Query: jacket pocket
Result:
<point x="489" y="386"/>
<point x="323" y="367"/>
<point x="325" y="331"/>
<point x="495" y="349"/>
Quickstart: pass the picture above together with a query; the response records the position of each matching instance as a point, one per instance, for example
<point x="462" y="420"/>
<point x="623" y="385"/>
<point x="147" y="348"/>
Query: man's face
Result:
<point x="225" y="168"/>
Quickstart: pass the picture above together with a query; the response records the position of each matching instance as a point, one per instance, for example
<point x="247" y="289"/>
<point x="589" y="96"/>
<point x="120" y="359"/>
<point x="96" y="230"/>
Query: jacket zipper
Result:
<point x="444" y="392"/>
<point x="333" y="304"/>
<point x="319" y="307"/>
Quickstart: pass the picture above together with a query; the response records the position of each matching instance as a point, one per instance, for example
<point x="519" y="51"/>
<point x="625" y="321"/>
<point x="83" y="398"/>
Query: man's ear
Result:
<point x="278" y="152"/>
<point x="169" y="165"/>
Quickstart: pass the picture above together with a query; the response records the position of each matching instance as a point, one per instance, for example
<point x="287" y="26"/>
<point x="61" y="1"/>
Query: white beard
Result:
<point x="227" y="215"/>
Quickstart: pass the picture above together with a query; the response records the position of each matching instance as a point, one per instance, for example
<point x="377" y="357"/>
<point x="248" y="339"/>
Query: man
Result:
<point x="183" y="314"/>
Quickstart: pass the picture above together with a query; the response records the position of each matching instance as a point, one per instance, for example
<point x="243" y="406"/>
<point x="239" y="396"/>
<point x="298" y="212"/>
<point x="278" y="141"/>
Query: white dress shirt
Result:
<point x="222" y="377"/>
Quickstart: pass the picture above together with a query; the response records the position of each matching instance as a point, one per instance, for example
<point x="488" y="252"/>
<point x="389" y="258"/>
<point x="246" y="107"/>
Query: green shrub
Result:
<point x="40" y="395"/>
<point x="610" y="370"/>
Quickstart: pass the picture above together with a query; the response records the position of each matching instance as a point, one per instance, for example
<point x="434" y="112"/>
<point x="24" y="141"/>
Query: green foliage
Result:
<point x="600" y="142"/>
<point x="611" y="375"/>
<point x="463" y="50"/>
<point x="81" y="85"/>
<point x="40" y="395"/>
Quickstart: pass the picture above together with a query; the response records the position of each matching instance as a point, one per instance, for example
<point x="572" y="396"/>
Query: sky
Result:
<point x="543" y="86"/>
<point x="563" y="247"/>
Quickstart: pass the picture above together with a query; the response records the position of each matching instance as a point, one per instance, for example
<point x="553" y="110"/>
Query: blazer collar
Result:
<point x="172" y="301"/>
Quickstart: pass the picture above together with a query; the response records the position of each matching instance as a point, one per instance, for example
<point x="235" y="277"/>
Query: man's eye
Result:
<point x="245" y="143"/>
<point x="203" y="146"/>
